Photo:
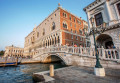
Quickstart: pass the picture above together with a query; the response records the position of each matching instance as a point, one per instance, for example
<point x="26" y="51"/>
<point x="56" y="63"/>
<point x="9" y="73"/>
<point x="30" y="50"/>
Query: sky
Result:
<point x="18" y="17"/>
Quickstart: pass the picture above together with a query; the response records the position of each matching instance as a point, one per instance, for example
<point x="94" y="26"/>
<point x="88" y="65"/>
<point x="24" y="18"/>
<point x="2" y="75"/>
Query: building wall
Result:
<point x="41" y="40"/>
<point x="13" y="51"/>
<point x="62" y="36"/>
<point x="110" y="15"/>
<point x="71" y="25"/>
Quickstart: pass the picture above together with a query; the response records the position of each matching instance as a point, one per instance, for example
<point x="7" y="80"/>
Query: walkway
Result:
<point x="85" y="75"/>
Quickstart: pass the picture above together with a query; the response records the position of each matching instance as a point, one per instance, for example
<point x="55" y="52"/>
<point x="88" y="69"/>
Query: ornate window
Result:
<point x="99" y="19"/>
<point x="58" y="39"/>
<point x="75" y="31"/>
<point x="64" y="15"/>
<point x="80" y="31"/>
<point x="76" y="38"/>
<point x="70" y="17"/>
<point x="71" y="30"/>
<point x="52" y="41"/>
<point x="37" y="34"/>
<point x="65" y="25"/>
<point x="78" y="22"/>
<point x="118" y="6"/>
<point x="71" y="36"/>
<point x="55" y="40"/>
<point x="43" y="31"/>
<point x="74" y="19"/>
<point x="53" y="25"/>
<point x="80" y="39"/>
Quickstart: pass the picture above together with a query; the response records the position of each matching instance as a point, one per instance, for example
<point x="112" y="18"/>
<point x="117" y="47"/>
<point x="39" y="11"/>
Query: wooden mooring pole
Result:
<point x="16" y="61"/>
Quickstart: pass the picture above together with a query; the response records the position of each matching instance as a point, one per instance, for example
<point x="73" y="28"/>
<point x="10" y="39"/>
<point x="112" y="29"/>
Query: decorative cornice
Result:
<point x="113" y="27"/>
<point x="114" y="1"/>
<point x="92" y="4"/>
<point x="97" y="10"/>
<point x="109" y="28"/>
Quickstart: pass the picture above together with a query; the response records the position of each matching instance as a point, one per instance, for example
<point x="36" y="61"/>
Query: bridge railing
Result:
<point x="109" y="54"/>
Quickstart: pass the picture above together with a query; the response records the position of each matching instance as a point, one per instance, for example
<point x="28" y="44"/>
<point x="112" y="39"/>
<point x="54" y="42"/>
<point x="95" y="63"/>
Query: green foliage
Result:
<point x="1" y="53"/>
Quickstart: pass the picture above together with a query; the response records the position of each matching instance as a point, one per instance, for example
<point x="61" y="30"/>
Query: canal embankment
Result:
<point x="80" y="74"/>
<point x="23" y="73"/>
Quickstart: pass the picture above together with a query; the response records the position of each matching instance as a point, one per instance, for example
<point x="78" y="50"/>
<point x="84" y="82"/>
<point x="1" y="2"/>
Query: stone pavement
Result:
<point x="80" y="74"/>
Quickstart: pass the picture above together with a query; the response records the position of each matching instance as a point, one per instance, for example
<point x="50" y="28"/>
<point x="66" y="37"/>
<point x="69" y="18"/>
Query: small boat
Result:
<point x="10" y="63"/>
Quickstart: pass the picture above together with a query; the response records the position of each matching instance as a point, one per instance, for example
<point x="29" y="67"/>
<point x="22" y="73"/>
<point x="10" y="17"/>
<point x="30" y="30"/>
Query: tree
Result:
<point x="1" y="52"/>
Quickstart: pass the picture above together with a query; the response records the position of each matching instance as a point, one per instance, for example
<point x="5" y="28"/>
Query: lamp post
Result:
<point x="98" y="65"/>
<point x="99" y="70"/>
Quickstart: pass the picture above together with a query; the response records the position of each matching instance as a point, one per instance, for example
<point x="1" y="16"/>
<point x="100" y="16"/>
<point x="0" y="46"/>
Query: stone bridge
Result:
<point x="83" y="56"/>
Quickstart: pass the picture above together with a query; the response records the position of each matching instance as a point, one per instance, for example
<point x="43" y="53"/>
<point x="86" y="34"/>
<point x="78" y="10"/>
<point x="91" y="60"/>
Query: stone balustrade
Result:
<point x="107" y="54"/>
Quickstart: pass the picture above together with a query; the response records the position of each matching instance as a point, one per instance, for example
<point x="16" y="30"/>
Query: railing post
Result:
<point x="73" y="49"/>
<point x="67" y="49"/>
<point x="118" y="50"/>
<point x="81" y="50"/>
<point x="85" y="50"/>
<point x="103" y="53"/>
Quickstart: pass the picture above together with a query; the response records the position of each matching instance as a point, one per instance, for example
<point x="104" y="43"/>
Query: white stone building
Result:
<point x="13" y="51"/>
<point x="59" y="28"/>
<point x="106" y="14"/>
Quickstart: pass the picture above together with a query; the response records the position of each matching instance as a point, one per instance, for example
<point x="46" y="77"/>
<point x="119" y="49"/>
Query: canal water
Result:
<point x="23" y="73"/>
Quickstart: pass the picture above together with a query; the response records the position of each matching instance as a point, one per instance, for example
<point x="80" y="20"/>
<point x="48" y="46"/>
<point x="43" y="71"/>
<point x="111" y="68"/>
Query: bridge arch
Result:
<point x="57" y="55"/>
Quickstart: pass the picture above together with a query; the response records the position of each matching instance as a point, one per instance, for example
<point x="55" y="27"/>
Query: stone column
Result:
<point x="60" y="37"/>
<point x="88" y="18"/>
<point x="48" y="42"/>
<point x="118" y="50"/>
<point x="108" y="10"/>
<point x="103" y="53"/>
<point x="51" y="70"/>
<point x="54" y="40"/>
<point x="81" y="50"/>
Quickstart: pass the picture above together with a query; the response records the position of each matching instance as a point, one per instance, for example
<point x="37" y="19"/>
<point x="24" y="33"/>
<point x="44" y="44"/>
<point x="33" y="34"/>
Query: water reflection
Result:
<point x="23" y="73"/>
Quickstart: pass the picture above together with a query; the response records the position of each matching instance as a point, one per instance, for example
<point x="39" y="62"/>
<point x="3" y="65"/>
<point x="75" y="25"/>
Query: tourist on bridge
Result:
<point x="109" y="54"/>
<point x="114" y="53"/>
<point x="75" y="50"/>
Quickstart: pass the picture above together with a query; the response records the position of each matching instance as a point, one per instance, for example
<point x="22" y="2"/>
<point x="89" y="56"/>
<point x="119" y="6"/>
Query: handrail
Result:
<point x="108" y="54"/>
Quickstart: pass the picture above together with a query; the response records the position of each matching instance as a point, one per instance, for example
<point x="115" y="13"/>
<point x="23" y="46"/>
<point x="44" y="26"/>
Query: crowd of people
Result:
<point x="111" y="47"/>
<point x="112" y="54"/>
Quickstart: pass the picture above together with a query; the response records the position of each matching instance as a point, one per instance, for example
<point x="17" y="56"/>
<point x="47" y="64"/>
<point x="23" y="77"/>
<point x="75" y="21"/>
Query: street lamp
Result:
<point x="99" y="70"/>
<point x="98" y="65"/>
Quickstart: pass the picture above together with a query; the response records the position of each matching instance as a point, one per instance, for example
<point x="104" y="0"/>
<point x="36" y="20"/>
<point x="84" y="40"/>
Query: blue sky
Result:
<point x="18" y="17"/>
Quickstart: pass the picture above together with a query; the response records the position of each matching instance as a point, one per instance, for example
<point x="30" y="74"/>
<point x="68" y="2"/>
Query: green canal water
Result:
<point x="23" y="73"/>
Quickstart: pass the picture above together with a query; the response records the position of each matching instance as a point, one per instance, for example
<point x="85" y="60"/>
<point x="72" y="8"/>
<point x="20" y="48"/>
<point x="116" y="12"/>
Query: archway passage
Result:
<point x="54" y="58"/>
<point x="105" y="41"/>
